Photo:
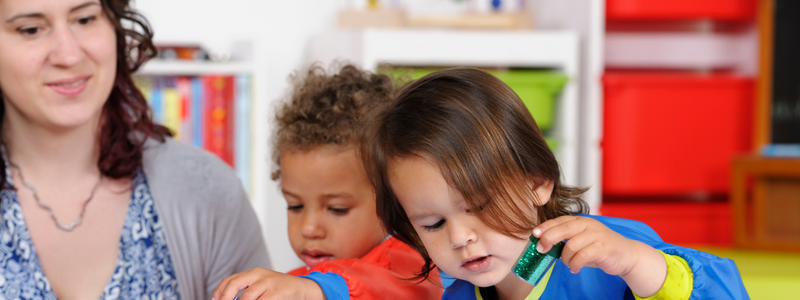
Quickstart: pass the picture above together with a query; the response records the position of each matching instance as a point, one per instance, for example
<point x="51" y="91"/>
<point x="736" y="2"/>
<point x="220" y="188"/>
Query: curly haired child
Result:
<point x="462" y="173"/>
<point x="333" y="226"/>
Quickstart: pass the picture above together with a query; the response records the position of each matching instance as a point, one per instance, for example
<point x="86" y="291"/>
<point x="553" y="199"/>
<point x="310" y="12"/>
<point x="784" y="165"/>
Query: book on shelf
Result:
<point x="219" y="116"/>
<point x="781" y="150"/>
<point x="242" y="128"/>
<point x="209" y="112"/>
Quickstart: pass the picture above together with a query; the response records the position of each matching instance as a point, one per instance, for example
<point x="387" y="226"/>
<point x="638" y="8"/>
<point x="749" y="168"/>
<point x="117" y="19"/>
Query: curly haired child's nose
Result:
<point x="313" y="230"/>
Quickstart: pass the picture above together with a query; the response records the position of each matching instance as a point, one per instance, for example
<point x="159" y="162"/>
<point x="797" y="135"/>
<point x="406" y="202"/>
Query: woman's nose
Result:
<point x="67" y="50"/>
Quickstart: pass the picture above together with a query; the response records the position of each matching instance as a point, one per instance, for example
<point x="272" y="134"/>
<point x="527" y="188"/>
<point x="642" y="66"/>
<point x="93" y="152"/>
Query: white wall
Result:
<point x="279" y="31"/>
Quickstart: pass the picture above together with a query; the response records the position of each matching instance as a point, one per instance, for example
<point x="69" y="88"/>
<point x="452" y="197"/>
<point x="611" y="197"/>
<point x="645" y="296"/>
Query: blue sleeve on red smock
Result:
<point x="332" y="284"/>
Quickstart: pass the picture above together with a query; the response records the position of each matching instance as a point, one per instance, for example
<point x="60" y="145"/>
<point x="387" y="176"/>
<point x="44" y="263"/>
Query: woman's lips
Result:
<point x="69" y="87"/>
<point x="477" y="264"/>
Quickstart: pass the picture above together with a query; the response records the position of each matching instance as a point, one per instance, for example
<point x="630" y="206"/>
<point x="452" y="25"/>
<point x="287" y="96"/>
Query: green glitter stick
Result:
<point x="532" y="265"/>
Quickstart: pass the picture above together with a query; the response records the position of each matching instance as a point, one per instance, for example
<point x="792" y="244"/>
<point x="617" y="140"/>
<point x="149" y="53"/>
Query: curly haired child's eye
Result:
<point x="295" y="207"/>
<point x="339" y="210"/>
<point x="435" y="226"/>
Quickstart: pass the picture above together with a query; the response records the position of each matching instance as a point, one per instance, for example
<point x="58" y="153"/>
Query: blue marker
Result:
<point x="496" y="4"/>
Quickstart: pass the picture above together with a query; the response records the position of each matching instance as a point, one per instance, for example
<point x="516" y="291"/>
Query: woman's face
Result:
<point x="57" y="61"/>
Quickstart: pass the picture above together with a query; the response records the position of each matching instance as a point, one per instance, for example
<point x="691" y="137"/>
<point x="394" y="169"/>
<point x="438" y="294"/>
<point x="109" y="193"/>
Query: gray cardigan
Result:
<point x="211" y="229"/>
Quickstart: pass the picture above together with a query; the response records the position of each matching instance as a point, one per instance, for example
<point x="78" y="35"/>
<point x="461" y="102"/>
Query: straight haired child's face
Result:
<point x="331" y="205"/>
<point x="456" y="240"/>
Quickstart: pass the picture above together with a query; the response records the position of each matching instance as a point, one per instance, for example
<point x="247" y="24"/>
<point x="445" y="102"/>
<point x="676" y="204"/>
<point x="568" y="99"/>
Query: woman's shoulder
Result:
<point x="177" y="171"/>
<point x="174" y="157"/>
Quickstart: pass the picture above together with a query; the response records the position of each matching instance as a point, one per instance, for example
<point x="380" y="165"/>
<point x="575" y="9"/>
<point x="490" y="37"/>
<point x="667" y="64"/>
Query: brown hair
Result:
<point x="483" y="140"/>
<point x="327" y="109"/>
<point x="126" y="113"/>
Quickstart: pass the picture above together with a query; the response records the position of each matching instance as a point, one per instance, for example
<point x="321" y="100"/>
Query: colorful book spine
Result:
<point x="197" y="112"/>
<point x="172" y="109"/>
<point x="242" y="130"/>
<point x="184" y="87"/>
<point x="219" y="117"/>
<point x="156" y="102"/>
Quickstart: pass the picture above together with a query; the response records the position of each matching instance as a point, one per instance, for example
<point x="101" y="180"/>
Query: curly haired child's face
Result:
<point x="456" y="240"/>
<point x="331" y="205"/>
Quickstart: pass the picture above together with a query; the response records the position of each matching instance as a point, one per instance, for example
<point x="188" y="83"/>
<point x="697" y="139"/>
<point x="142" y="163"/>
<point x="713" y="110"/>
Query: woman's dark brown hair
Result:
<point x="126" y="119"/>
<point x="327" y="109"/>
<point x="484" y="141"/>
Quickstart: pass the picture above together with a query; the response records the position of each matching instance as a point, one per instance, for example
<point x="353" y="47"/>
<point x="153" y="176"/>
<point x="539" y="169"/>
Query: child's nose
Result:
<point x="461" y="236"/>
<point x="312" y="228"/>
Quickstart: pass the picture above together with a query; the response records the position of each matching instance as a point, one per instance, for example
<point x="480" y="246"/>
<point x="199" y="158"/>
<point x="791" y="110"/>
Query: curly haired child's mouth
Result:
<point x="312" y="260"/>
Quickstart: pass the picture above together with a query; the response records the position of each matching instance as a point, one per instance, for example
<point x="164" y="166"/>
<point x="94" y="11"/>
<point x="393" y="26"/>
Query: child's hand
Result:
<point x="592" y="244"/>
<point x="267" y="284"/>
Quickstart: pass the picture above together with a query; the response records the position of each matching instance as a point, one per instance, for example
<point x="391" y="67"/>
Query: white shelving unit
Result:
<point x="556" y="50"/>
<point x="194" y="68"/>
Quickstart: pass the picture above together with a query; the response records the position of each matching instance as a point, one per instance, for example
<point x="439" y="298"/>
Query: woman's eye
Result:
<point x="295" y="207"/>
<point x="434" y="226"/>
<point x="28" y="30"/>
<point x="86" y="20"/>
<point x="339" y="210"/>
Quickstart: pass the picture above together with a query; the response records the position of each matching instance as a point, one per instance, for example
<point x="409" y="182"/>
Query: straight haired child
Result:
<point x="333" y="226"/>
<point x="463" y="174"/>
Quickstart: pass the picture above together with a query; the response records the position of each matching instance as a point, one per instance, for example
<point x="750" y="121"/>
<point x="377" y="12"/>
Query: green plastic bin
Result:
<point x="537" y="89"/>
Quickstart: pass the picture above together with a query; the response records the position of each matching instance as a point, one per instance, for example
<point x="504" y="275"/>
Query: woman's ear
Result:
<point x="542" y="188"/>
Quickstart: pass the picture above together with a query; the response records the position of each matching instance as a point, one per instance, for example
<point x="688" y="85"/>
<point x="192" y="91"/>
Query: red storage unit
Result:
<point x="673" y="133"/>
<point x="680" y="9"/>
<point x="681" y="223"/>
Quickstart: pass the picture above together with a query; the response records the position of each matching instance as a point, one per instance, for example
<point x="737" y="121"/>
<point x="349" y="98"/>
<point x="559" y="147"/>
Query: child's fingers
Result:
<point x="584" y="256"/>
<point x="256" y="291"/>
<point x="563" y="228"/>
<point x="541" y="228"/>
<point x="221" y="287"/>
<point x="575" y="245"/>
<point x="237" y="283"/>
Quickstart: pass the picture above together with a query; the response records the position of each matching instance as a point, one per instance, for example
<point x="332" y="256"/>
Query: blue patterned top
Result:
<point x="144" y="268"/>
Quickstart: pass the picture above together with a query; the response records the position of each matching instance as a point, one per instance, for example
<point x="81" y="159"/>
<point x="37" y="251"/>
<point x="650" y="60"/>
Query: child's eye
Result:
<point x="86" y="20"/>
<point x="435" y="226"/>
<point x="339" y="210"/>
<point x="295" y="207"/>
<point x="28" y="31"/>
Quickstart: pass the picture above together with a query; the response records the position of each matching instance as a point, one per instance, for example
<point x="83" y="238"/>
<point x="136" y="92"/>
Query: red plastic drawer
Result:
<point x="680" y="223"/>
<point x="673" y="134"/>
<point x="680" y="9"/>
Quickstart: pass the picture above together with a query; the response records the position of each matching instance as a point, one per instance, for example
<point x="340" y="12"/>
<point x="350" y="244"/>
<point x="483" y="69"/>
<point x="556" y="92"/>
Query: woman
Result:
<point x="98" y="201"/>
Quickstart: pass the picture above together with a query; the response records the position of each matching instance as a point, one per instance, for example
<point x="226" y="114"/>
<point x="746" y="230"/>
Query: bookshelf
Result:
<point x="186" y="79"/>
